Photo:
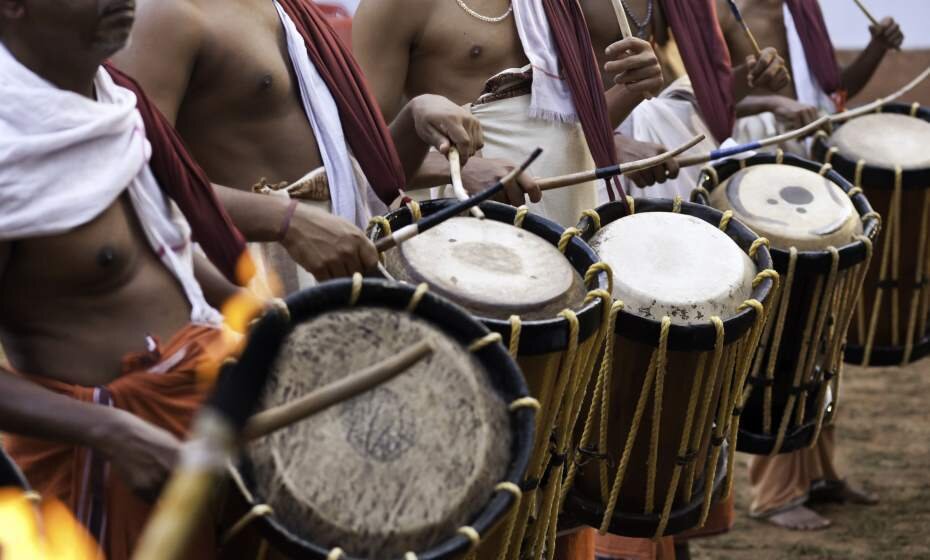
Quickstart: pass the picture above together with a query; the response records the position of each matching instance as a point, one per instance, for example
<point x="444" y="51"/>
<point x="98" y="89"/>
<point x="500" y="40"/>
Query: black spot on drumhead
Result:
<point x="802" y="211"/>
<point x="772" y="201"/>
<point x="796" y="195"/>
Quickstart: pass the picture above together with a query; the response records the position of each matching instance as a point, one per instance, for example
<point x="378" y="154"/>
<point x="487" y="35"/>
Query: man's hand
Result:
<point x="634" y="65"/>
<point x="887" y="34"/>
<point x="629" y="150"/>
<point x="767" y="71"/>
<point x="326" y="245"/>
<point x="793" y="113"/>
<point x="481" y="173"/>
<point x="142" y="453"/>
<point x="442" y="124"/>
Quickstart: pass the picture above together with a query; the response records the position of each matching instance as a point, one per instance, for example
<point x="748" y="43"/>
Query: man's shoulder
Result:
<point x="172" y="15"/>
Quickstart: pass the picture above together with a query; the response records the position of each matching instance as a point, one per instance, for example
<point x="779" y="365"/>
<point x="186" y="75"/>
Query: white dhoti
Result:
<point x="511" y="133"/>
<point x="671" y="119"/>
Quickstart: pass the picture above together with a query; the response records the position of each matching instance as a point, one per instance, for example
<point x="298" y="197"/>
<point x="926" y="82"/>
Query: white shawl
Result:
<point x="551" y="98"/>
<point x="65" y="159"/>
<point x="805" y="83"/>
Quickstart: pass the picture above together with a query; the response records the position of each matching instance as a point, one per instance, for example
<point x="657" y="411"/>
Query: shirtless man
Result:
<point x="767" y="72"/>
<point x="84" y="296"/>
<point x="783" y="485"/>
<point x="438" y="47"/>
<point x="767" y="21"/>
<point x="221" y="71"/>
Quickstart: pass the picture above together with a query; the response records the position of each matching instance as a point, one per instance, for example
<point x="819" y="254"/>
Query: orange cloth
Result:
<point x="720" y="520"/>
<point x="782" y="482"/>
<point x="613" y="547"/>
<point x="160" y="386"/>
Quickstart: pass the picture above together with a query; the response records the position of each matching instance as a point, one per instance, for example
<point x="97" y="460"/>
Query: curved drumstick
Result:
<point x="458" y="187"/>
<point x="858" y="112"/>
<point x="274" y="419"/>
<point x="625" y="29"/>
<point x="433" y="220"/>
<point x="614" y="170"/>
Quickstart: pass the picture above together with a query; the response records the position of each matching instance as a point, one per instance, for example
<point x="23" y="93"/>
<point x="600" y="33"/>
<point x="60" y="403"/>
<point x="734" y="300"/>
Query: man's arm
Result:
<point x="142" y="453"/>
<point x="166" y="40"/>
<point x="885" y="36"/>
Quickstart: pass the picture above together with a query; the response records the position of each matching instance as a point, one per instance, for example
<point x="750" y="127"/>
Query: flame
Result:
<point x="239" y="311"/>
<point x="38" y="532"/>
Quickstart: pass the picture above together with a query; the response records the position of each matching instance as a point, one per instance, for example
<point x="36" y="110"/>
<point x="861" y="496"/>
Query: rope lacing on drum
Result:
<point x="631" y="202"/>
<point x="518" y="218"/>
<point x="757" y="244"/>
<point x="826" y="168"/>
<point x="356" y="292"/>
<point x="594" y="217"/>
<point x="382" y="223"/>
<point x="415" y="213"/>
<point x="915" y="108"/>
<point x="725" y="220"/>
<point x="474" y="539"/>
<point x="596" y="269"/>
<point x="274" y="304"/>
<point x="710" y="174"/>
<point x="779" y="156"/>
<point x="335" y="554"/>
<point x="920" y="272"/>
<point x="517" y="494"/>
<point x="417" y="296"/>
<point x="524" y="402"/>
<point x="742" y="164"/>
<point x="676" y="204"/>
<point x="485" y="341"/>
<point x="855" y="191"/>
<point x="32" y="497"/>
<point x="567" y="237"/>
<point x="257" y="511"/>
<point x="516" y="330"/>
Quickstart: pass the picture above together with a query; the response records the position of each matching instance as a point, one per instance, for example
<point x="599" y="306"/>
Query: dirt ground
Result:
<point x="883" y="440"/>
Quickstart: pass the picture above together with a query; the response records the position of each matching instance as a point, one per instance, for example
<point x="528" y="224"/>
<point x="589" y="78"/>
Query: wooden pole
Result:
<point x="274" y="419"/>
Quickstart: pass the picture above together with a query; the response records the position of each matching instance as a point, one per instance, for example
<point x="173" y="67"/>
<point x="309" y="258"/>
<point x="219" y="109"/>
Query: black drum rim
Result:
<point x="540" y="336"/>
<point x="808" y="262"/>
<point x="687" y="338"/>
<point x="876" y="176"/>
<point x="10" y="474"/>
<point x="455" y="322"/>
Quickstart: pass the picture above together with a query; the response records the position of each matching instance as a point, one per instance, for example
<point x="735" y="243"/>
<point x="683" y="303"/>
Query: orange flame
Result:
<point x="46" y="531"/>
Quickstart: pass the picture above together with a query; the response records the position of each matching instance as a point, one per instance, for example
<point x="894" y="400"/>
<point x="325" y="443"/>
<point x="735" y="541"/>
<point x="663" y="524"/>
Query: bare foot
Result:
<point x="840" y="492"/>
<point x="798" y="518"/>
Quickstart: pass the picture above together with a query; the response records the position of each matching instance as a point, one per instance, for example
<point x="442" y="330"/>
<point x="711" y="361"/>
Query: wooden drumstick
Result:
<point x="873" y="106"/>
<point x="625" y="29"/>
<point x="433" y="220"/>
<point x="867" y="13"/>
<point x="274" y="419"/>
<point x="458" y="187"/>
<point x="738" y="14"/>
<point x="614" y="170"/>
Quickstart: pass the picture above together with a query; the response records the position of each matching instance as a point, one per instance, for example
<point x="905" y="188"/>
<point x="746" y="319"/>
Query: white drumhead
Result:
<point x="790" y="206"/>
<point x="885" y="140"/>
<point x="489" y="264"/>
<point x="676" y="265"/>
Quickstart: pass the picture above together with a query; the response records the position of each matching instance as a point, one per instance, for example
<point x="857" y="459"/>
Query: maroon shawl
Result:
<point x="187" y="184"/>
<point x="576" y="55"/>
<point x="821" y="57"/>
<point x="707" y="59"/>
<point x="364" y="126"/>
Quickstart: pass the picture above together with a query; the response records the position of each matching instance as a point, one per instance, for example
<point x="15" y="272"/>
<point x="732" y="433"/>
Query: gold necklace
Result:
<point x="485" y="19"/>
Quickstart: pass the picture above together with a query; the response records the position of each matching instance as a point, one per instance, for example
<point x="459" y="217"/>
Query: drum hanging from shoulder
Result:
<point x="426" y="464"/>
<point x="821" y="232"/>
<point x="887" y="155"/>
<point x="691" y="289"/>
<point x="542" y="289"/>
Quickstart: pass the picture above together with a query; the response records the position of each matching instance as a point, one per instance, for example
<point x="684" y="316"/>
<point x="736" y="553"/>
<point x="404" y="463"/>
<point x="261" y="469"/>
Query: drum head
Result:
<point x="885" y="140"/>
<point x="491" y="268"/>
<point x="397" y="469"/>
<point x="672" y="264"/>
<point x="790" y="206"/>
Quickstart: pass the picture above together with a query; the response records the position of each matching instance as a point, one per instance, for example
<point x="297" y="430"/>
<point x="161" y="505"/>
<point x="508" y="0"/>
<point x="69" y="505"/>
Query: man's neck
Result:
<point x="63" y="72"/>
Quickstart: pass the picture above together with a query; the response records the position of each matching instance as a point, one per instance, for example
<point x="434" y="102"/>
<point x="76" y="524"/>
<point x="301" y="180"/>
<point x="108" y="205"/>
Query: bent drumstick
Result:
<point x="433" y="220"/>
<point x="203" y="458"/>
<point x="614" y="170"/>
<point x="458" y="187"/>
<point x="858" y="112"/>
<point x="274" y="419"/>
<point x="738" y="14"/>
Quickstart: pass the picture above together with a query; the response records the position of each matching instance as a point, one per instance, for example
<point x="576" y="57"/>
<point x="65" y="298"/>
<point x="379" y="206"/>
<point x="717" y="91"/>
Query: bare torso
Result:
<point x="455" y="54"/>
<point x="766" y="20"/>
<point x="72" y="305"/>
<point x="242" y="115"/>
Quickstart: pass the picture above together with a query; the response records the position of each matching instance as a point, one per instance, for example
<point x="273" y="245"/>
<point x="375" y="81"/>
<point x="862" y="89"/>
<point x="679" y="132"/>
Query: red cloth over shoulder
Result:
<point x="187" y="184"/>
<point x="362" y="121"/>
<point x="818" y="47"/>
<point x="707" y="60"/>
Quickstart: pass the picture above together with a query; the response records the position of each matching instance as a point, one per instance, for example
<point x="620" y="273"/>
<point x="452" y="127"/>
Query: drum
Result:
<point x="886" y="155"/>
<point x="820" y="232"/>
<point x="542" y="289"/>
<point x="426" y="464"/>
<point x="691" y="288"/>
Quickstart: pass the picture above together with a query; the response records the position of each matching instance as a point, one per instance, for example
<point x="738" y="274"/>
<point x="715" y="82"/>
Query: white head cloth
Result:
<point x="65" y="159"/>
<point x="551" y="97"/>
